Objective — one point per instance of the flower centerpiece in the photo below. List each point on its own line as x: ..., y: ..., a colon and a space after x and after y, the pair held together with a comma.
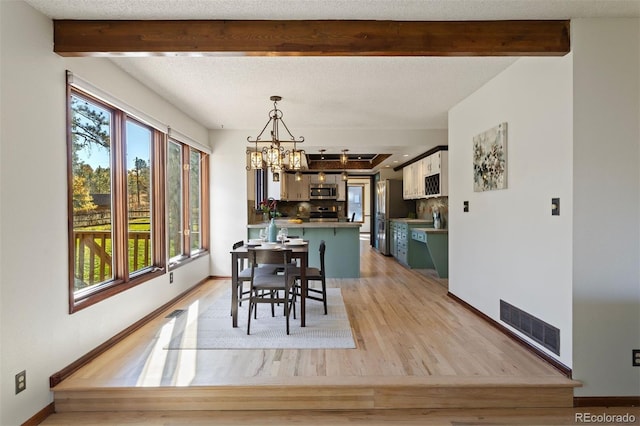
x: 269, y: 208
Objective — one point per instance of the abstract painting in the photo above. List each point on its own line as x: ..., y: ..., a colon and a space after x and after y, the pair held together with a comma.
x: 490, y: 159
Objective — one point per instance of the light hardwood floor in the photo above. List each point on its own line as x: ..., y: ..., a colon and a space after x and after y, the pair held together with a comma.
x: 414, y: 344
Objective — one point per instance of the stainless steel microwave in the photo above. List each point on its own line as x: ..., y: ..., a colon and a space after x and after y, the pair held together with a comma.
x: 323, y: 191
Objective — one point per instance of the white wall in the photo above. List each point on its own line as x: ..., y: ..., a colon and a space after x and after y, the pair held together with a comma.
x: 229, y: 196
x: 37, y: 332
x: 606, y: 228
x: 508, y: 246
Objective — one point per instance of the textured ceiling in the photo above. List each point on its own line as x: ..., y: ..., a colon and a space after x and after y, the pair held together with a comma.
x: 323, y: 92
x: 421, y: 10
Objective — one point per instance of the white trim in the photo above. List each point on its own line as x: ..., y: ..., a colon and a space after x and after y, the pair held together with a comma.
x: 82, y: 84
x: 181, y: 137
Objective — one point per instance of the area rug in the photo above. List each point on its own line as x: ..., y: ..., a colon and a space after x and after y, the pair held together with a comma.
x: 212, y: 328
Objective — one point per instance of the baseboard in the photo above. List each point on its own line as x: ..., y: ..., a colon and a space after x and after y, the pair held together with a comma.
x: 59, y: 376
x: 606, y: 401
x: 525, y: 344
x: 41, y: 415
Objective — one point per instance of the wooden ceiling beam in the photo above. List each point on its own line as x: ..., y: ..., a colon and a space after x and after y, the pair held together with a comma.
x: 311, y: 38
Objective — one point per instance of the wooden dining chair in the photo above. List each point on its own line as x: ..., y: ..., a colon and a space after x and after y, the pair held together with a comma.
x: 266, y: 288
x: 314, y: 274
x: 244, y: 274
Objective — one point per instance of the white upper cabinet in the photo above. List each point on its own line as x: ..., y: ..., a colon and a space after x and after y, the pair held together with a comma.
x: 406, y: 182
x: 427, y: 177
x: 437, y: 180
x: 412, y: 181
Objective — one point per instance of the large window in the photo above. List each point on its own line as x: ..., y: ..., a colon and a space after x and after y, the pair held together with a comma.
x: 195, y: 200
x: 186, y: 168
x: 92, y: 128
x: 129, y: 186
x: 175, y: 198
x: 139, y: 140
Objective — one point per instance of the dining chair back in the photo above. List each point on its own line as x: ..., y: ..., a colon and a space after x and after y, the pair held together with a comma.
x: 263, y: 285
x: 244, y: 273
x: 315, y: 274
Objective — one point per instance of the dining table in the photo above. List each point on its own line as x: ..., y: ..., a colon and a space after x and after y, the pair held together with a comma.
x: 299, y: 252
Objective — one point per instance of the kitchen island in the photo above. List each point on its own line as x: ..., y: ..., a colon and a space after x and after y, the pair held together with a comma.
x: 342, y: 257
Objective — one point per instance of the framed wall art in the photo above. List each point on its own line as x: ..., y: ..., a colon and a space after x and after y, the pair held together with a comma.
x: 490, y: 159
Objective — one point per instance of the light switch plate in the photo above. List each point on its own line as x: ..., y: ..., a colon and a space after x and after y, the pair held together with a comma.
x: 555, y: 206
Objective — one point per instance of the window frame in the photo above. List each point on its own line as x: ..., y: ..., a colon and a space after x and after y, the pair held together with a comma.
x: 188, y: 254
x: 362, y: 202
x: 123, y: 279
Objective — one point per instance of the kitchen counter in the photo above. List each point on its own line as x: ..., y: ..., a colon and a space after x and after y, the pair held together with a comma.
x: 290, y: 225
x: 432, y: 230
x: 342, y: 257
x: 437, y: 242
x: 412, y: 221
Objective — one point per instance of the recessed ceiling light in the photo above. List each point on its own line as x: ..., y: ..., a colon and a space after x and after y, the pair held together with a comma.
x: 395, y: 161
x: 405, y: 155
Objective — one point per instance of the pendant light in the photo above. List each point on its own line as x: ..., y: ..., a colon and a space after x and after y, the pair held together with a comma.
x: 321, y: 176
x: 344, y: 160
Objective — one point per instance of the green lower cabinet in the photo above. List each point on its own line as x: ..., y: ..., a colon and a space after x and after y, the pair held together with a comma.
x: 437, y: 245
x: 409, y: 252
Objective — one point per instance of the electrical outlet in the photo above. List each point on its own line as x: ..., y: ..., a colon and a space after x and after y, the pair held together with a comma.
x: 170, y: 277
x: 465, y: 206
x: 636, y: 357
x: 21, y: 381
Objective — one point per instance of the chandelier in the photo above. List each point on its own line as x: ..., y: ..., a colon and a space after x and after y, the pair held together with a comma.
x: 272, y: 154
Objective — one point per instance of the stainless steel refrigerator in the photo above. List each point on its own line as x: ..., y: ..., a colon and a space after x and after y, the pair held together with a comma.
x: 389, y: 205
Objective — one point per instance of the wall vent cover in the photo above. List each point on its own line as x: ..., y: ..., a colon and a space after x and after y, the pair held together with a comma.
x: 176, y: 313
x: 540, y: 331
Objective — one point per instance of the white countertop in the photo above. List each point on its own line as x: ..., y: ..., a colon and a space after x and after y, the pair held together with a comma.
x: 406, y: 220
x: 432, y: 230
x: 287, y: 224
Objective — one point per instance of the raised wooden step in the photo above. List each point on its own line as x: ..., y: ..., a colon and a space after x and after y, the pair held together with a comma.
x: 342, y: 393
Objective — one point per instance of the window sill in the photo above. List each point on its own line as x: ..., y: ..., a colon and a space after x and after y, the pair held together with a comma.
x: 112, y: 289
x: 186, y: 260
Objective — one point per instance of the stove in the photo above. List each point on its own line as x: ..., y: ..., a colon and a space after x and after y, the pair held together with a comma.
x: 323, y: 214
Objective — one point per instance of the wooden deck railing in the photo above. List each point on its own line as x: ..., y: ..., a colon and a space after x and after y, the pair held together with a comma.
x: 93, y: 261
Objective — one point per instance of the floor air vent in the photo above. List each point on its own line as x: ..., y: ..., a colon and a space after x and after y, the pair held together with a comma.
x: 175, y: 313
x: 543, y: 333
